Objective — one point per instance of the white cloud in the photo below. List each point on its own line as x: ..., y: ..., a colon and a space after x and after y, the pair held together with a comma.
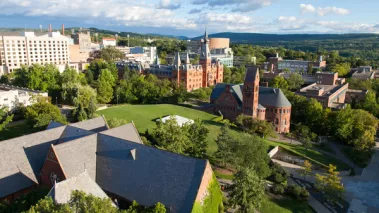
x: 167, y: 4
x: 230, y: 22
x: 322, y: 11
x: 335, y: 10
x: 237, y: 5
x: 307, y: 8
x: 112, y: 12
x: 290, y: 23
x: 344, y: 27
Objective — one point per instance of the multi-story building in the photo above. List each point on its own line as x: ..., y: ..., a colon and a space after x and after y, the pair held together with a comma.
x: 363, y: 73
x: 194, y: 46
x: 244, y: 60
x: 139, y: 54
x: 109, y: 42
x: 251, y: 99
x: 114, y: 160
x: 12, y: 96
x: 329, y: 90
x: 279, y: 64
x: 224, y: 55
x: 83, y: 39
x: 29, y: 48
x: 207, y: 73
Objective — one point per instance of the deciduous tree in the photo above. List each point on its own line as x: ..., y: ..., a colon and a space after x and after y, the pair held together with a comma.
x: 330, y: 184
x: 105, y: 85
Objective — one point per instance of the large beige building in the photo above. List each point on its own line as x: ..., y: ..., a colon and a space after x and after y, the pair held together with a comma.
x: 27, y: 48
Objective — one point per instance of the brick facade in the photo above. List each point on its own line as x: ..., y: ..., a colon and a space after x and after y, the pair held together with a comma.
x: 52, y: 169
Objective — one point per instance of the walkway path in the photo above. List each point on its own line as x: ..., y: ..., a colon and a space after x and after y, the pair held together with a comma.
x: 363, y: 190
x: 343, y: 158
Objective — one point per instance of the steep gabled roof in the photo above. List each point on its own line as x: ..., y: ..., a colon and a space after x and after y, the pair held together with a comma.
x: 149, y: 175
x: 127, y: 132
x: 72, y: 133
x: 78, y: 155
x: 22, y: 158
x: 267, y: 96
x: 251, y: 74
x: 61, y: 191
x: 97, y: 124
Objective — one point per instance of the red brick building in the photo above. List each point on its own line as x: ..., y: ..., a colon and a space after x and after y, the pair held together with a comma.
x: 263, y: 103
x: 205, y: 74
x: 112, y: 161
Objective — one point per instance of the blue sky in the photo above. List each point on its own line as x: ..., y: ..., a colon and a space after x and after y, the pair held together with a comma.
x: 190, y: 17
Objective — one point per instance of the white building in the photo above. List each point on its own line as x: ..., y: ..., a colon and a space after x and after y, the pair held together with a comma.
x: 109, y: 42
x: 139, y: 54
x: 11, y: 96
x: 27, y: 48
x: 224, y: 55
x: 179, y: 120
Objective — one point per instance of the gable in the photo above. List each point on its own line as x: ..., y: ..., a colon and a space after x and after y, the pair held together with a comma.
x: 52, y: 170
x: 152, y: 176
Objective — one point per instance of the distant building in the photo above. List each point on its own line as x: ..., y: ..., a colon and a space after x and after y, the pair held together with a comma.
x: 244, y: 60
x: 105, y: 162
x: 139, y: 54
x: 329, y: 90
x: 27, y: 48
x: 354, y: 96
x: 109, y: 42
x: 12, y: 96
x: 224, y: 55
x: 207, y: 73
x: 194, y: 46
x: 279, y: 64
x: 83, y: 39
x: 263, y: 103
x: 363, y: 73
x: 81, y: 49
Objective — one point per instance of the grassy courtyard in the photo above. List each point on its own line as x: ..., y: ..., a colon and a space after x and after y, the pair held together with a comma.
x: 144, y: 117
x: 16, y: 130
x: 284, y: 205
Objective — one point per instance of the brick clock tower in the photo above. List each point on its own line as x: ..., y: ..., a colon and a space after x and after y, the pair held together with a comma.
x: 250, y: 92
x: 205, y: 60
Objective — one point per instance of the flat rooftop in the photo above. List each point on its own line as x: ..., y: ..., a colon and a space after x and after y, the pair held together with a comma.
x: 328, y: 89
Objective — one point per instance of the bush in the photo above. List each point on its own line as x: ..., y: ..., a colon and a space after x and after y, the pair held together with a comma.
x: 278, y: 174
x: 297, y: 192
x: 116, y: 122
x: 277, y: 189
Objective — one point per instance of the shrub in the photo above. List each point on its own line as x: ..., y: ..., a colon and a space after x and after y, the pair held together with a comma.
x: 297, y: 192
x: 116, y: 122
x: 277, y: 189
x: 278, y: 174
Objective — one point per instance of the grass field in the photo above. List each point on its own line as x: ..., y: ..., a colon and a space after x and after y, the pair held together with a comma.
x: 313, y: 155
x: 144, y: 117
x: 284, y: 205
x: 16, y: 130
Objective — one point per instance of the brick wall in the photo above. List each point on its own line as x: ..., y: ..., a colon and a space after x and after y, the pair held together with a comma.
x: 280, y: 117
x: 50, y: 166
x: 203, y: 189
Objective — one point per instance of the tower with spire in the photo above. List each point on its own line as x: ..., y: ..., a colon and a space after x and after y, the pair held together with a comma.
x: 205, y: 59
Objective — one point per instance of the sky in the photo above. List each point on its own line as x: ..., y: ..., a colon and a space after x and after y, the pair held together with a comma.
x: 191, y: 17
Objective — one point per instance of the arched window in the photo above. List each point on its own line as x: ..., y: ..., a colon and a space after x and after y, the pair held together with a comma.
x: 276, y: 121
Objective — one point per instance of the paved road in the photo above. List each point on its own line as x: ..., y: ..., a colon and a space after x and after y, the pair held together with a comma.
x: 363, y: 190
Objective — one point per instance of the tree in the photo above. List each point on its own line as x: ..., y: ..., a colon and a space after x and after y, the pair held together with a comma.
x: 170, y: 136
x: 330, y: 184
x: 247, y: 191
x: 69, y: 76
x: 91, y: 109
x: 111, y: 54
x: 255, y: 126
x: 116, y: 122
x: 307, y: 169
x: 105, y: 85
x: 37, y: 77
x: 198, y: 133
x: 295, y: 81
x: 41, y: 113
x: 81, y: 202
x: 279, y: 82
x: 224, y: 143
x: 5, y: 119
x: 278, y: 175
x: 79, y: 113
x: 75, y: 94
x: 370, y: 104
x: 341, y: 69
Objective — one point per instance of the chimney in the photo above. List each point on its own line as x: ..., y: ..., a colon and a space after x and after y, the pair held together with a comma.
x: 277, y: 55
x: 133, y: 153
x: 62, y: 29
x: 50, y: 29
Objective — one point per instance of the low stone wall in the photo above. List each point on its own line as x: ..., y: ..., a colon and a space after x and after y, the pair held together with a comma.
x: 273, y: 151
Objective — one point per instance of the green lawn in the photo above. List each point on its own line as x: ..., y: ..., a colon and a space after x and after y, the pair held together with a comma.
x: 16, y: 130
x: 144, y: 117
x: 284, y: 205
x: 313, y: 155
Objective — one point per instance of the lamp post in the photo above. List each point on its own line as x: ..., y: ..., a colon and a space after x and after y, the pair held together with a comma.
x: 128, y: 40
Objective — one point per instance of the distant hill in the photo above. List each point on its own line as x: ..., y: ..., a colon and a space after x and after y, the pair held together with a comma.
x: 258, y: 38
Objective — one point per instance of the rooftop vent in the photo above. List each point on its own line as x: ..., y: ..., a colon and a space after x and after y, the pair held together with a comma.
x: 133, y: 153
